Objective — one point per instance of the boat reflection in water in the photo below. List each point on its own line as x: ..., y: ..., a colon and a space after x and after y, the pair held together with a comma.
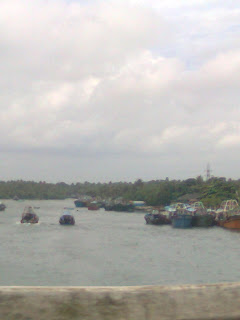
x: 29, y: 216
x: 67, y: 219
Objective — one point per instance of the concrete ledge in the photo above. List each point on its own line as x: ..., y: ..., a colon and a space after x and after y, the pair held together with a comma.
x: 220, y: 301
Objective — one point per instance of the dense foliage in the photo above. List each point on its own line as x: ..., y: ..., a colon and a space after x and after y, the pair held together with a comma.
x: 155, y: 192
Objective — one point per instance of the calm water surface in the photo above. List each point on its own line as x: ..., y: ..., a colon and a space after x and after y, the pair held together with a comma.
x: 110, y: 249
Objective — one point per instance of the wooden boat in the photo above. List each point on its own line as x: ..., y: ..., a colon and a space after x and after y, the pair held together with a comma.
x: 67, y: 219
x: 93, y: 207
x: 157, y: 219
x: 228, y: 214
x: 29, y: 216
x: 232, y: 222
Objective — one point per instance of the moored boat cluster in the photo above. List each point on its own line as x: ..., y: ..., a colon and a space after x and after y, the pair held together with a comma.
x: 179, y: 215
x: 118, y: 205
x: 182, y: 215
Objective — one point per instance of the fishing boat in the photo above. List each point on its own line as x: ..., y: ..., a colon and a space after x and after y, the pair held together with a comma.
x: 232, y: 222
x: 93, y: 207
x: 67, y: 219
x: 80, y: 204
x: 29, y: 216
x: 156, y: 218
x: 182, y: 217
x: 201, y: 218
x: 2, y: 206
x: 228, y: 215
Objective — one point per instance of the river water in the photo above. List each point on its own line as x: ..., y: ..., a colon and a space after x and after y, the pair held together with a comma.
x: 110, y: 249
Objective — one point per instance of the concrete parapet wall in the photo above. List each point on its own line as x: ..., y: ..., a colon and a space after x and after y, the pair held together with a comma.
x: 221, y: 301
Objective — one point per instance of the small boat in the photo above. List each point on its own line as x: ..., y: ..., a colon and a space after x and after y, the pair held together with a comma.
x: 2, y: 206
x: 67, y: 219
x: 93, y: 207
x: 156, y: 218
x: 29, y: 216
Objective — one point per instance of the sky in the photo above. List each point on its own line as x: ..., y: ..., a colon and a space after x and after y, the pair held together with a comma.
x: 119, y: 90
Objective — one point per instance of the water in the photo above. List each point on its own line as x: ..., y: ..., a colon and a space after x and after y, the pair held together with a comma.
x: 110, y: 249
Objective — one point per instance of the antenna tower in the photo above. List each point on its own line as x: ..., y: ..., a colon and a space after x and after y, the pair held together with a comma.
x: 208, y: 172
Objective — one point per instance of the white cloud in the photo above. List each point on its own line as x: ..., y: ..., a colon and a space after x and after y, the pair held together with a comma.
x: 124, y: 79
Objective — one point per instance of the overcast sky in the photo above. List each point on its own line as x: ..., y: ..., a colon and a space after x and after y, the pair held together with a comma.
x: 119, y: 90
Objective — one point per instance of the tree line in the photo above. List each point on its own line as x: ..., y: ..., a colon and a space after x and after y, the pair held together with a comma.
x: 155, y: 192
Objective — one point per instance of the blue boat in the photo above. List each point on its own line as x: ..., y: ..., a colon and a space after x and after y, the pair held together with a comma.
x: 80, y: 204
x: 182, y: 221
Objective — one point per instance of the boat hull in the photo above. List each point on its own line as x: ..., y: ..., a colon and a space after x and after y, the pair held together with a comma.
x: 203, y: 221
x: 182, y: 221
x: 67, y: 220
x: 157, y: 219
x: 79, y: 204
x: 231, y: 223
x: 27, y: 219
x: 93, y: 208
